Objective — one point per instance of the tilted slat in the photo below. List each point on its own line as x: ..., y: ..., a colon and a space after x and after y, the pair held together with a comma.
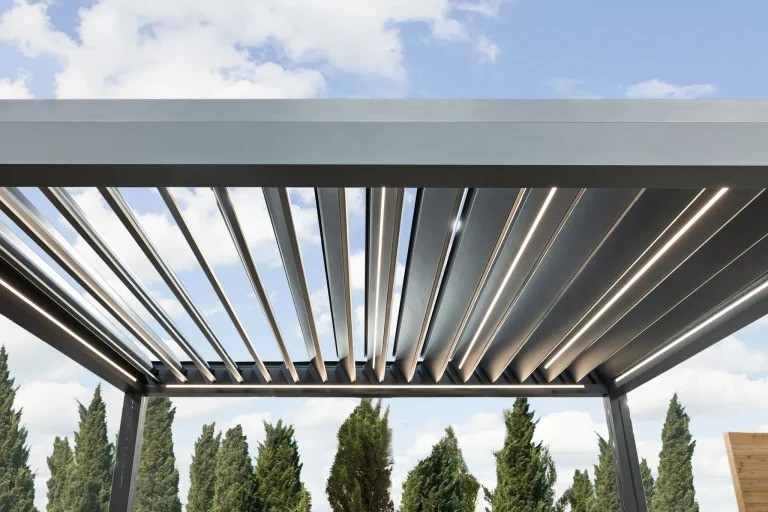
x: 540, y: 221
x: 488, y: 216
x: 213, y: 279
x: 125, y: 214
x: 710, y: 214
x: 716, y: 254
x: 650, y: 215
x: 332, y: 218
x: 69, y: 209
x: 229, y: 215
x: 384, y: 213
x: 34, y: 223
x: 279, y: 207
x: 434, y: 220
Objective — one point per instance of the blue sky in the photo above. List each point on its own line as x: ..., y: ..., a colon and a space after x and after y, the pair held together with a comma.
x: 378, y: 48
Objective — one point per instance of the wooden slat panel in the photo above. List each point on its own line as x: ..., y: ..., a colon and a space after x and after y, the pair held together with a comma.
x: 748, y: 458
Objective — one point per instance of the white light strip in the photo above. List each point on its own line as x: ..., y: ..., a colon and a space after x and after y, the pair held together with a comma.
x: 693, y: 331
x: 382, y: 387
x: 519, y: 255
x: 656, y: 257
x: 378, y: 273
x: 66, y: 329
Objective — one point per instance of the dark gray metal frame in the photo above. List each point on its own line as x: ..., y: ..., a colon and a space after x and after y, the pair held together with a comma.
x: 441, y: 147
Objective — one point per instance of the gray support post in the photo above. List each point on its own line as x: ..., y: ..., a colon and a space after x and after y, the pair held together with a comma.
x: 128, y: 453
x: 622, y: 439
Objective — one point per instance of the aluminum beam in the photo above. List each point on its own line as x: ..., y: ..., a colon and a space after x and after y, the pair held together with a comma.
x: 128, y: 453
x: 332, y: 218
x: 213, y: 279
x: 228, y: 213
x: 396, y: 143
x: 622, y: 439
x: 435, y: 220
x: 382, y: 234
x: 279, y: 208
x: 32, y: 221
x: 69, y: 209
x: 120, y: 207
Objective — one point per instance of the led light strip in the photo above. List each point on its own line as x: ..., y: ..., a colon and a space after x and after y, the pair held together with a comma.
x: 507, y: 277
x: 66, y: 329
x: 656, y: 257
x: 693, y: 331
x: 378, y: 273
x: 353, y: 387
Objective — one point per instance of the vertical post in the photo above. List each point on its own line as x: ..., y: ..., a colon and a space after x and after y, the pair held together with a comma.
x: 622, y: 439
x: 128, y: 453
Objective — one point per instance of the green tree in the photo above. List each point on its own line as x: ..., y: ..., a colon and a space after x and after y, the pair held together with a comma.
x: 525, y: 472
x: 89, y: 484
x: 60, y: 465
x: 202, y: 471
x: 278, y: 472
x: 674, y: 491
x: 17, y: 483
x: 157, y: 484
x: 606, y: 497
x: 645, y: 474
x: 579, y: 495
x: 233, y: 472
x: 441, y: 482
x: 361, y: 473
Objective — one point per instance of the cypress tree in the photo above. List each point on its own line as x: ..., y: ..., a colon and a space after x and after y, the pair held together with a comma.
x: 17, y: 483
x: 89, y: 484
x: 674, y: 490
x: 202, y: 471
x: 278, y: 472
x: 525, y: 472
x: 579, y: 495
x: 60, y: 465
x: 157, y: 484
x: 441, y: 481
x: 606, y: 497
x: 645, y: 474
x: 362, y: 468
x: 233, y: 472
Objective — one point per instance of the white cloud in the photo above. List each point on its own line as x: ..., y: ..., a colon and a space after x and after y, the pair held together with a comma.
x: 488, y: 50
x: 14, y: 89
x: 184, y: 49
x: 659, y: 89
x: 572, y: 88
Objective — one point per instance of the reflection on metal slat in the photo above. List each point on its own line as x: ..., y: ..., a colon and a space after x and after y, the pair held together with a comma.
x: 689, y: 234
x: 69, y: 209
x: 118, y: 204
x: 385, y: 210
x: 434, y: 222
x: 487, y: 218
x: 650, y: 215
x: 749, y: 266
x: 594, y: 215
x: 538, y: 224
x: 34, y: 223
x: 279, y: 208
x: 173, y: 207
x: 38, y: 272
x: 332, y: 218
x: 229, y: 215
x: 718, y: 253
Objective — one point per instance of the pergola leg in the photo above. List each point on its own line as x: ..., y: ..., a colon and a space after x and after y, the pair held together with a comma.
x: 622, y: 439
x: 128, y: 453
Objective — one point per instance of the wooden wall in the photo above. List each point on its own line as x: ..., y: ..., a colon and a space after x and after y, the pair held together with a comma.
x: 748, y: 458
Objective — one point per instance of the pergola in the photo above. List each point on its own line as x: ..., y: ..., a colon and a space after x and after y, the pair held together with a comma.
x: 558, y: 248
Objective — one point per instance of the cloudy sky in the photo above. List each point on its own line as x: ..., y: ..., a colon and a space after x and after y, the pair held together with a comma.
x: 377, y: 48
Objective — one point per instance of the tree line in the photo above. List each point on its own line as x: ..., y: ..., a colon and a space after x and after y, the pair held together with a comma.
x: 224, y: 477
